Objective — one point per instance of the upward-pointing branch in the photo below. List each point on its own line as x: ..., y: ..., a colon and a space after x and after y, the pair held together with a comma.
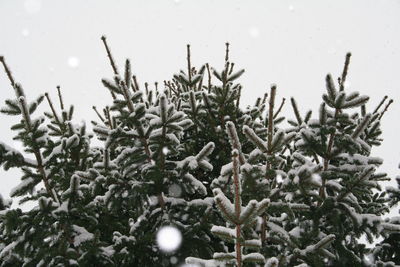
x: 7, y: 70
x: 112, y: 62
x: 227, y: 52
x: 60, y: 98
x: 270, y: 125
x: 53, y: 110
x: 26, y: 116
x: 189, y: 64
x: 269, y: 149
x: 332, y: 135
x: 344, y: 73
x: 114, y: 67
x: 238, y: 205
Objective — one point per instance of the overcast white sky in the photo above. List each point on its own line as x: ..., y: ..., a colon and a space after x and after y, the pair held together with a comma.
x: 291, y: 43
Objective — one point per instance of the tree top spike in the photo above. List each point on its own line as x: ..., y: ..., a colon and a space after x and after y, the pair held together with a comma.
x: 227, y: 52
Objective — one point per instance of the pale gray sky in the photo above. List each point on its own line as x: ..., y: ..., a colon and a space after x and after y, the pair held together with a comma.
x: 291, y: 43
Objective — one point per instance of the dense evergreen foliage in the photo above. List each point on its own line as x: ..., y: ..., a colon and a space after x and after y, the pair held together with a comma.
x: 242, y: 189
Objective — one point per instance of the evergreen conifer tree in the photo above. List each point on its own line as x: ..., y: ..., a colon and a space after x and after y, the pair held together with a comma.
x: 241, y: 189
x: 387, y: 252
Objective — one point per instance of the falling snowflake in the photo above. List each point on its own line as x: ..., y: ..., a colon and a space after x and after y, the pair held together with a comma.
x: 25, y: 32
x: 169, y: 238
x: 254, y: 32
x: 73, y: 62
x: 165, y: 150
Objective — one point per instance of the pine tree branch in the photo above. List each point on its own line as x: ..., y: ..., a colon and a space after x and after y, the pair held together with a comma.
x: 322, y: 193
x: 238, y: 97
x: 296, y: 111
x: 280, y: 108
x: 209, y: 77
x: 345, y: 70
x: 8, y: 71
x: 36, y: 152
x: 53, y: 110
x: 98, y: 114
x: 211, y: 115
x: 270, y: 127
x: 238, y: 205
x: 163, y: 110
x: 189, y: 63
x: 26, y: 116
x: 326, y: 159
x: 234, y: 140
x: 231, y: 69
x: 386, y: 108
x: 365, y: 175
x: 135, y: 83
x: 60, y: 97
x: 114, y: 67
x: 226, y: 52
x: 380, y: 104
x: 127, y: 96
x: 108, y: 115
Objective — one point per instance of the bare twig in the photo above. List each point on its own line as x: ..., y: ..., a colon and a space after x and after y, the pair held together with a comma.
x: 60, y: 97
x: 98, y: 114
x: 380, y: 104
x: 189, y: 63
x: 386, y: 108
x: 7, y: 70
x: 280, y: 108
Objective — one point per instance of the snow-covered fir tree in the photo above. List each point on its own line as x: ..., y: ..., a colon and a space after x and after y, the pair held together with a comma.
x: 241, y: 189
x: 387, y: 252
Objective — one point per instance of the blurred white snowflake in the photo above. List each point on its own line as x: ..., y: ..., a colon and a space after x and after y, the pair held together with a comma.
x: 169, y: 238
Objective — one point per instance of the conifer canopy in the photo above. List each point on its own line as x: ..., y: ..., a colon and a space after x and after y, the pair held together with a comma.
x: 230, y: 185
